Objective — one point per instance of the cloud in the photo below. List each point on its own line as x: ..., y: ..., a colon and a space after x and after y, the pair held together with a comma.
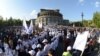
x: 97, y: 4
x: 34, y: 13
x: 81, y: 1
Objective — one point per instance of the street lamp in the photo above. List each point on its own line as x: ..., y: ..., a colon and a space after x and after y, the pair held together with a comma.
x: 82, y: 17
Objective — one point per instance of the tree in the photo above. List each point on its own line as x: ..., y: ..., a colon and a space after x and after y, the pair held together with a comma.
x: 78, y: 24
x: 1, y: 21
x: 88, y: 23
x: 10, y: 22
x: 85, y: 23
x: 17, y: 22
x: 96, y: 19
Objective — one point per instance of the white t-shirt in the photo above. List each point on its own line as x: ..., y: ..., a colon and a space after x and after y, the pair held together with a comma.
x: 35, y: 40
x: 9, y: 52
x: 46, y: 49
x: 25, y: 43
x: 54, y: 44
x: 39, y: 53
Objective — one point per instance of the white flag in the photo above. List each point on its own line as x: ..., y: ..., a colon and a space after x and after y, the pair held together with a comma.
x: 31, y: 27
x: 81, y: 41
x: 40, y: 25
x: 25, y: 27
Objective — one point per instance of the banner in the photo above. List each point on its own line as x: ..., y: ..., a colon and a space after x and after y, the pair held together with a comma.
x: 81, y: 41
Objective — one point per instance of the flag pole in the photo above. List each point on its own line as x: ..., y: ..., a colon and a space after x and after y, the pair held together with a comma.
x: 82, y: 53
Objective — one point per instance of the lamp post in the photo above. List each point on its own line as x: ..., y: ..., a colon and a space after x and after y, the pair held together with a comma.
x: 82, y: 17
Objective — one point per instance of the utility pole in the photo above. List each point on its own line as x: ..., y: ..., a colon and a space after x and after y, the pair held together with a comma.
x: 82, y: 17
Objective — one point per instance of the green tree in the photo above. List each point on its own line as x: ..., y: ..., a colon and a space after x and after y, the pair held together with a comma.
x: 88, y: 23
x: 1, y: 21
x: 17, y: 22
x: 85, y: 23
x: 96, y: 19
x: 77, y: 24
x: 10, y: 22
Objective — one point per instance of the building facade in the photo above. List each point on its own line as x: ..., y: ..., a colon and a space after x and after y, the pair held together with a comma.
x: 49, y: 17
x: 65, y: 22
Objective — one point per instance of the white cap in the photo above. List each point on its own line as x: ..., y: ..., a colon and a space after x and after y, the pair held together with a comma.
x: 17, y: 47
x: 39, y: 46
x: 33, y: 46
x: 19, y: 40
x: 45, y: 40
x: 68, y: 48
x: 31, y: 52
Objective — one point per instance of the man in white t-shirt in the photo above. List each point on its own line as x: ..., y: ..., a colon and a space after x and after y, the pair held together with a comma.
x: 39, y: 53
x: 46, y: 47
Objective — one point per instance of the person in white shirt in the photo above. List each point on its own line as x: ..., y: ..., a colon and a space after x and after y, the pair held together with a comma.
x: 46, y: 47
x: 1, y: 52
x: 54, y: 44
x: 8, y: 50
x: 32, y: 52
x: 25, y: 43
x: 35, y: 40
x: 39, y: 53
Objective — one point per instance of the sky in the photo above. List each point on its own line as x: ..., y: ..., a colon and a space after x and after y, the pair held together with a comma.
x: 28, y: 9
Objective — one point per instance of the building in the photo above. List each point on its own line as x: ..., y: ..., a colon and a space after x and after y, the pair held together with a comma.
x: 65, y: 22
x: 49, y: 17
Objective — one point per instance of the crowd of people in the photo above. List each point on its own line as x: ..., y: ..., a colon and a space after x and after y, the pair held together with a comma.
x: 47, y: 42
